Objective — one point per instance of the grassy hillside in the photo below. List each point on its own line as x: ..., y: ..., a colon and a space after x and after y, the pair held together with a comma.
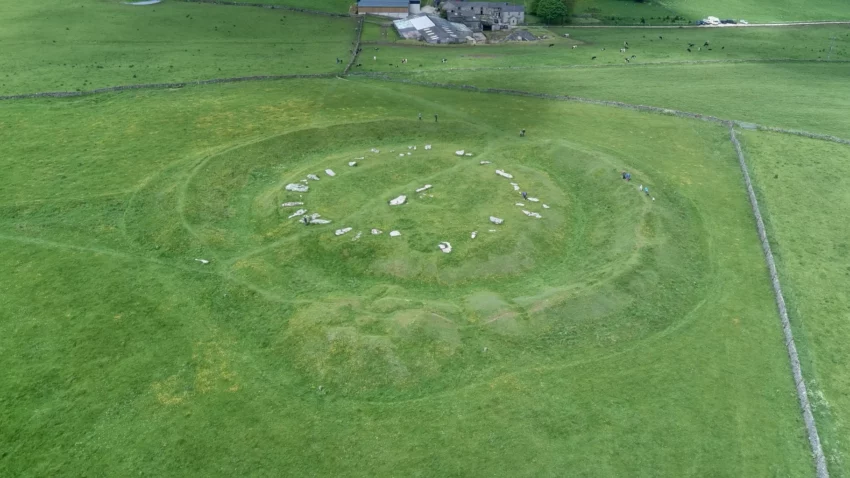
x: 83, y: 44
x: 632, y: 330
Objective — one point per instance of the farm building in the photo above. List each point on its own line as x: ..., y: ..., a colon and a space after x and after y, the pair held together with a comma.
x: 388, y: 8
x: 432, y: 29
x: 484, y: 15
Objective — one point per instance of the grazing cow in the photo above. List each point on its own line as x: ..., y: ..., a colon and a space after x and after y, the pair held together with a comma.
x: 705, y: 44
x: 691, y: 45
x: 622, y: 50
x: 551, y: 44
x: 660, y: 37
x: 689, y: 50
x: 575, y: 46
x: 633, y: 57
x: 625, y: 43
x: 627, y: 60
x: 593, y: 58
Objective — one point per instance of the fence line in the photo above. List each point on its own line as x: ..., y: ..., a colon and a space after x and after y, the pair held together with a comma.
x: 273, y: 7
x: 617, y: 65
x: 356, y: 46
x: 145, y: 86
x: 805, y: 134
x: 799, y: 381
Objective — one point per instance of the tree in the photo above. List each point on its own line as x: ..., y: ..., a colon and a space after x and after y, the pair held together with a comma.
x: 552, y: 10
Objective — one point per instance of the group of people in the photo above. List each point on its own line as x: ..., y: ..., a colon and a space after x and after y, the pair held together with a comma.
x: 627, y: 176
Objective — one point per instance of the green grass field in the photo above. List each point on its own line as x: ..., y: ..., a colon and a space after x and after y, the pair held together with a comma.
x: 656, y: 12
x: 810, y: 242
x: 662, y: 12
x: 589, y: 319
x: 333, y: 6
x: 86, y: 44
x: 647, y: 46
x: 808, y: 97
x: 760, y: 11
x: 620, y: 334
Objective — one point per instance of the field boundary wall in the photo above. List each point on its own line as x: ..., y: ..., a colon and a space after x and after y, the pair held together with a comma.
x: 145, y: 86
x: 354, y: 52
x: 796, y: 370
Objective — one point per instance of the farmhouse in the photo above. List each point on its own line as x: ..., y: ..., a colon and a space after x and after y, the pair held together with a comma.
x: 484, y: 15
x: 388, y: 8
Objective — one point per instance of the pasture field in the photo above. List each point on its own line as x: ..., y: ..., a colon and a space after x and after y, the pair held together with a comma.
x: 620, y: 334
x: 808, y: 96
x: 333, y: 6
x: 655, y: 12
x: 804, y: 200
x: 86, y: 44
x: 646, y: 45
x: 639, y: 332
x: 773, y: 11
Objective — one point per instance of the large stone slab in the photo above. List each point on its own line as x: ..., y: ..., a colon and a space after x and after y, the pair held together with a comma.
x: 298, y: 188
x: 297, y: 213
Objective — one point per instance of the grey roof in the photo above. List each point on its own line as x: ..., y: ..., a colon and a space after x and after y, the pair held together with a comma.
x: 383, y: 3
x: 431, y: 29
x: 504, y: 6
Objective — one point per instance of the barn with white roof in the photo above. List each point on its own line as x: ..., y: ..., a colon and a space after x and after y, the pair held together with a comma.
x: 432, y: 29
